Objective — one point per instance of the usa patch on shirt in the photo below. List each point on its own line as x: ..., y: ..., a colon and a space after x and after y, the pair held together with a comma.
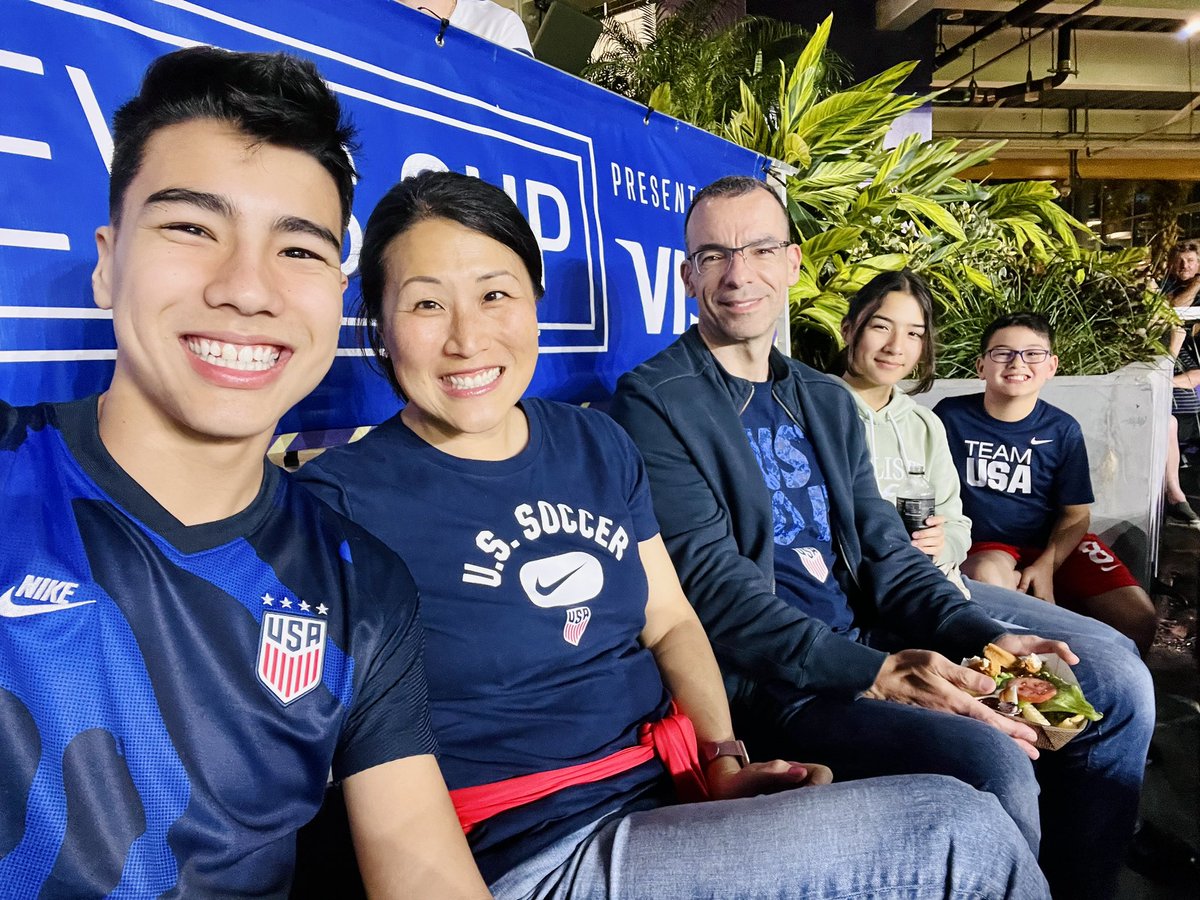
x: 577, y: 621
x: 813, y: 562
x: 291, y: 655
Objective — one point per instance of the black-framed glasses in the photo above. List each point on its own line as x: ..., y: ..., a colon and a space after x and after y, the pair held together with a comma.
x: 758, y: 254
x: 1030, y: 356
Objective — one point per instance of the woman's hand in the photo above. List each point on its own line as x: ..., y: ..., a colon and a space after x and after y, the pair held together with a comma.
x: 931, y: 539
x: 726, y: 781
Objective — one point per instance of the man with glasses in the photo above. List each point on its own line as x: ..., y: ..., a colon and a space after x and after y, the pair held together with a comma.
x: 1024, y: 472
x: 810, y: 588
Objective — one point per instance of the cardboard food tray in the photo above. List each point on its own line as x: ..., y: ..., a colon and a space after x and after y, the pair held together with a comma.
x: 1051, y: 737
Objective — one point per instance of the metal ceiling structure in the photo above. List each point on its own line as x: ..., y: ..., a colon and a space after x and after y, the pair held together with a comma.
x: 1104, y: 89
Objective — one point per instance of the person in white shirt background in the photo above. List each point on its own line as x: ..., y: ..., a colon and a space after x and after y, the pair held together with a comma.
x: 483, y: 18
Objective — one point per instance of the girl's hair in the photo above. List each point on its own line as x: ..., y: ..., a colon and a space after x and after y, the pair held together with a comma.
x: 462, y: 199
x: 866, y: 303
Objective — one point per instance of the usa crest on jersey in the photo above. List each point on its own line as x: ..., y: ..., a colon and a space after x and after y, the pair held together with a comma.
x: 291, y: 654
x: 577, y: 621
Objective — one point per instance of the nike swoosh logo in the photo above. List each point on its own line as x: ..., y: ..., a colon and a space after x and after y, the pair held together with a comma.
x: 547, y: 589
x: 566, y: 579
x: 1108, y: 568
x: 1035, y: 441
x: 10, y: 610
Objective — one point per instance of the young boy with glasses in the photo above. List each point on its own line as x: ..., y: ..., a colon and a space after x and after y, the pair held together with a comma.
x: 1026, y: 486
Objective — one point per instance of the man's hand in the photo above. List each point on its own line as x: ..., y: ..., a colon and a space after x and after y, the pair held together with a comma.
x: 1037, y: 579
x: 726, y: 781
x: 927, y: 679
x: 1025, y: 644
x: 931, y: 539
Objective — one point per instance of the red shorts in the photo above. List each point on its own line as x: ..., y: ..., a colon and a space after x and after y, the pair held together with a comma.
x: 1091, y: 569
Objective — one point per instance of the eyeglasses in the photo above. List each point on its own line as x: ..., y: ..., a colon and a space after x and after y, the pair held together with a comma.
x: 757, y: 254
x: 1031, y: 356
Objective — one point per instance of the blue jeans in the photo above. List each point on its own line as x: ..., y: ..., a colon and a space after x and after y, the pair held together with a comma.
x: 1089, y: 789
x: 890, y: 839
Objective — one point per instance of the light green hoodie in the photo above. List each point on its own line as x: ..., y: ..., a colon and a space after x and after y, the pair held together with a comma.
x: 903, y: 434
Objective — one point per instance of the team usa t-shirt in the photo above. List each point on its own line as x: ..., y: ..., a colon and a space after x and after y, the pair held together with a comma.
x: 172, y: 698
x: 1016, y: 476
x: 804, y: 557
x: 533, y: 597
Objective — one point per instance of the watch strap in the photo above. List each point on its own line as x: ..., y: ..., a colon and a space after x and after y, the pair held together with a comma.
x: 711, y: 750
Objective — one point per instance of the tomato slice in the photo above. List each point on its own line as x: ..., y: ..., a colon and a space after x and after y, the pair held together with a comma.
x: 1033, y: 690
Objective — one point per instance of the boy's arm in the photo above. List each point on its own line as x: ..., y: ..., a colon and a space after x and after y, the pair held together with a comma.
x: 1069, y: 528
x: 406, y: 835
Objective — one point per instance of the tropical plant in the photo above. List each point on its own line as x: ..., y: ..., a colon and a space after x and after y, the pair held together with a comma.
x: 1166, y: 202
x: 1089, y: 300
x: 859, y: 207
x: 697, y: 60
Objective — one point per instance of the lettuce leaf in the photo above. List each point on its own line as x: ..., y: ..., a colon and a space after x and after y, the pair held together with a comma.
x: 1069, y: 700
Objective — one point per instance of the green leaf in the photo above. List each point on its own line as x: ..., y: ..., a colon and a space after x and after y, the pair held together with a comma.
x: 660, y: 99
x: 795, y: 150
x: 853, y: 277
x: 928, y: 209
x: 805, y: 287
x: 978, y: 279
x: 835, y: 240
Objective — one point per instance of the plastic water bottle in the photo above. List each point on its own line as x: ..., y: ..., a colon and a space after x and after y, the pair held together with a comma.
x: 915, y: 500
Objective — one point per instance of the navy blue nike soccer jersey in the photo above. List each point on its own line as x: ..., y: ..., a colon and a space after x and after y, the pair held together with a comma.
x: 1016, y: 476
x: 533, y: 597
x: 173, y: 698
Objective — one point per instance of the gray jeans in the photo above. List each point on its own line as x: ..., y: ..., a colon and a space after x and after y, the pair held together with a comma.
x: 903, y: 838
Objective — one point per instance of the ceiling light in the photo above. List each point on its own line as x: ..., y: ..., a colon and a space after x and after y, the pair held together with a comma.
x: 1119, y: 236
x: 953, y: 15
x: 1092, y: 223
x: 1191, y: 29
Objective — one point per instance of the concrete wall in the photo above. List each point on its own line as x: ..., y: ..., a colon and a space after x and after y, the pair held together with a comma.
x: 1124, y: 421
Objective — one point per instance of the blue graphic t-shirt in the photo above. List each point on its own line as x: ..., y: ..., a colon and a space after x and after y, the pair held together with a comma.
x: 172, y: 697
x: 1016, y: 476
x: 804, y: 557
x: 533, y: 597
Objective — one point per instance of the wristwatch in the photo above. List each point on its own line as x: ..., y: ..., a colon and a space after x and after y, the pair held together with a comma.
x: 711, y: 750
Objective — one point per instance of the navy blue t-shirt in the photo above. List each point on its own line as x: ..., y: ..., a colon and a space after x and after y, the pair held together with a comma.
x: 533, y: 597
x: 1016, y: 476
x: 172, y: 698
x: 804, y: 557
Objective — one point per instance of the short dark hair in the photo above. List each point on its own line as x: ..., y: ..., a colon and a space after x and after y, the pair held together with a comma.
x: 1035, y: 322
x: 728, y: 187
x: 273, y: 98
x: 1185, y: 247
x: 866, y: 303
x: 463, y: 199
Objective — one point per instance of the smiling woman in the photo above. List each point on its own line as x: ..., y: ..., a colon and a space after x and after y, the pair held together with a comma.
x: 568, y: 674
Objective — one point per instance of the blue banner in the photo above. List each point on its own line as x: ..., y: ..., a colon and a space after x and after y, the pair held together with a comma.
x: 604, y: 186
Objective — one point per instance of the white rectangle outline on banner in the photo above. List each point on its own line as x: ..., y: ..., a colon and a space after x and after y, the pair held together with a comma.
x: 111, y: 19
x: 79, y: 312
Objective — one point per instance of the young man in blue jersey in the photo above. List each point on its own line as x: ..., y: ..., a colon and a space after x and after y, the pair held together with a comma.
x: 1026, y: 487
x: 189, y: 645
x: 845, y: 648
